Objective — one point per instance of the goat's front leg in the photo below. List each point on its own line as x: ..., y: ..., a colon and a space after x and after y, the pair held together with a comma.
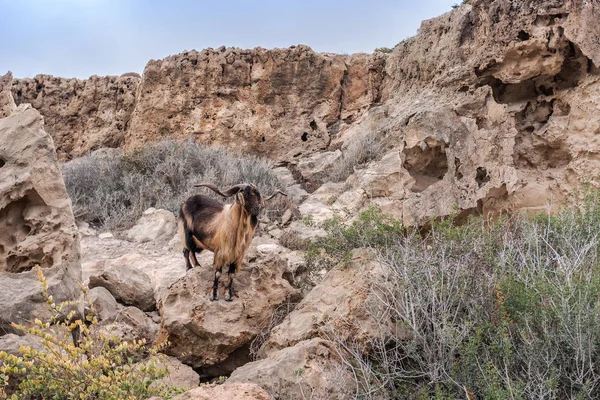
x: 230, y: 275
x: 215, y: 295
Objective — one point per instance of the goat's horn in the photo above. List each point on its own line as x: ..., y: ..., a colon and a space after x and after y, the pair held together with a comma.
x: 274, y: 194
x: 228, y: 193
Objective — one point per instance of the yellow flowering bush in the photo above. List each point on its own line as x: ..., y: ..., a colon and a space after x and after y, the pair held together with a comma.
x: 79, y: 362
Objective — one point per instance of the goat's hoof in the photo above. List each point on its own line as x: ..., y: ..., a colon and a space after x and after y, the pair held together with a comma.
x: 228, y: 297
x: 213, y: 297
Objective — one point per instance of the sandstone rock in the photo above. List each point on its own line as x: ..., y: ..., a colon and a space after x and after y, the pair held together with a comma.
x: 36, y: 221
x: 213, y: 336
x: 309, y: 369
x: 180, y: 375
x: 128, y: 284
x: 81, y: 115
x: 154, y: 225
x: 7, y: 103
x: 103, y: 303
x: 238, y: 391
x: 85, y: 229
x: 130, y: 323
x: 11, y: 343
x: 339, y: 302
x: 315, y: 210
x: 316, y: 166
x: 106, y: 235
x: 286, y: 217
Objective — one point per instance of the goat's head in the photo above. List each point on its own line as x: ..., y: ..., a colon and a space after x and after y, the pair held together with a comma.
x: 246, y: 195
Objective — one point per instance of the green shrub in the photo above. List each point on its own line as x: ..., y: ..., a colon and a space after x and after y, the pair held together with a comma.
x: 503, y: 310
x: 96, y: 367
x: 383, y: 50
x: 112, y: 189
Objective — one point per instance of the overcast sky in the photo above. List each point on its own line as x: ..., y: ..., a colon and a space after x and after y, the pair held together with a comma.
x: 79, y: 38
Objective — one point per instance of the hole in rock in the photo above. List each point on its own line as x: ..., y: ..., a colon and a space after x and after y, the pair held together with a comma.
x: 313, y: 125
x: 482, y: 177
x: 523, y: 35
x: 427, y: 166
x: 304, y: 137
x: 2, y: 163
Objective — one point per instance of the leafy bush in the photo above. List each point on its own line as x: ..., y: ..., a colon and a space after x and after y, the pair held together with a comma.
x: 95, y: 367
x: 383, y: 50
x: 112, y: 189
x: 372, y: 229
x: 504, y: 310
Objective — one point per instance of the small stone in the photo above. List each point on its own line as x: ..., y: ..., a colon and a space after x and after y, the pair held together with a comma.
x: 106, y: 235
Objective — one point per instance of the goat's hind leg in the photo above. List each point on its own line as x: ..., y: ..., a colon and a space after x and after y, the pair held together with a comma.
x: 186, y: 255
x: 215, y: 295
x: 229, y: 287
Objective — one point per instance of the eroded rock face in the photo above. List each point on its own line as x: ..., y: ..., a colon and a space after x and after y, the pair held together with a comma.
x: 261, y: 101
x: 36, y: 221
x: 214, y: 336
x: 81, y: 115
x: 490, y: 108
x: 7, y: 103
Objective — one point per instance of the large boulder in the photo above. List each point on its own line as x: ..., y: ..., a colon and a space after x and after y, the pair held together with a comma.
x: 36, y: 221
x: 338, y: 303
x: 128, y: 284
x: 238, y: 391
x: 154, y: 225
x: 214, y: 336
x: 310, y: 369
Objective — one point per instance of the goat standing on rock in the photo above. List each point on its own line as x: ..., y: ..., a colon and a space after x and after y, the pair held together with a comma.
x: 226, y: 230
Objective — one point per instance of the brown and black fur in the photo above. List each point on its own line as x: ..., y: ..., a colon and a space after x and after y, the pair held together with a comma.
x: 226, y: 230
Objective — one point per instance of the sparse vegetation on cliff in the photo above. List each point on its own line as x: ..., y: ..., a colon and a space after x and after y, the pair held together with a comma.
x: 112, y: 189
x: 495, y: 310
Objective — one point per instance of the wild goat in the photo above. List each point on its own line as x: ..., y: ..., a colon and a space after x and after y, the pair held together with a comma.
x: 226, y: 230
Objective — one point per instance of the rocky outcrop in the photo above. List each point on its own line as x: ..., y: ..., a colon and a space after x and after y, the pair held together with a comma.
x: 258, y: 101
x: 7, y: 103
x: 36, y: 221
x: 214, y: 336
x: 81, y: 115
x: 310, y: 369
x: 489, y: 108
x: 239, y: 391
x: 338, y: 303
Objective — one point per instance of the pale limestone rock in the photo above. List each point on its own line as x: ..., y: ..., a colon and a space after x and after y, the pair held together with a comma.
x: 179, y: 375
x: 103, y: 303
x: 338, y: 302
x: 7, y: 103
x: 36, y: 222
x: 128, y: 284
x: 154, y: 225
x: 238, y: 391
x: 311, y: 368
x: 213, y: 335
